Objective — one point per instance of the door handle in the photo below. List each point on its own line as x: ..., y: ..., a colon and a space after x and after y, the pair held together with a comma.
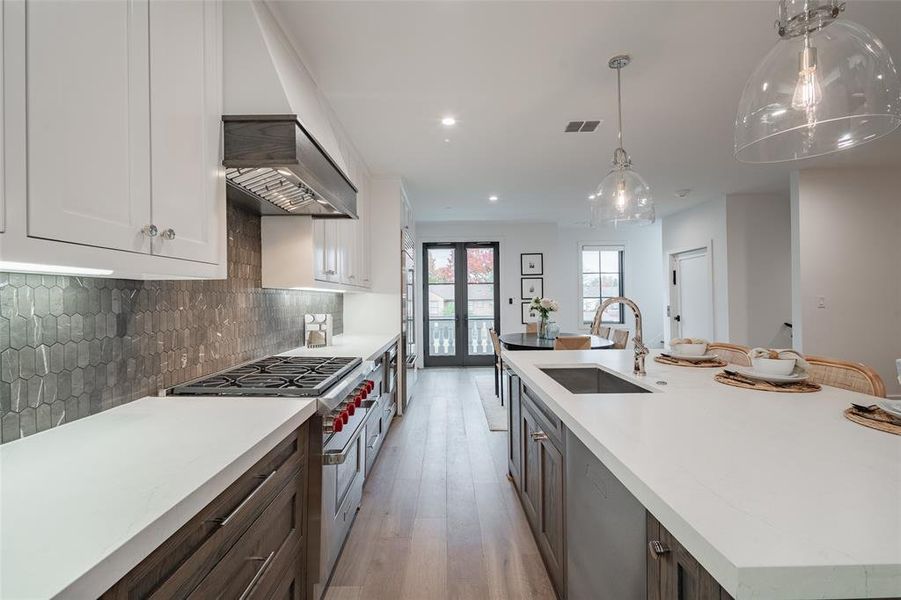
x: 678, y: 318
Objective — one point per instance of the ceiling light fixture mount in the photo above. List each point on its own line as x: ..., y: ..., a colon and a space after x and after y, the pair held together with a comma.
x: 492, y: 198
x: 448, y: 121
x: 829, y: 84
x: 623, y: 197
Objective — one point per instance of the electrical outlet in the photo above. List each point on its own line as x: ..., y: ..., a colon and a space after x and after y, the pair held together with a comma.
x: 821, y: 301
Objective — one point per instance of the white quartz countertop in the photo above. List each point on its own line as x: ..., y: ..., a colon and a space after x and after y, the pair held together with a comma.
x: 362, y: 345
x: 777, y: 495
x: 82, y: 504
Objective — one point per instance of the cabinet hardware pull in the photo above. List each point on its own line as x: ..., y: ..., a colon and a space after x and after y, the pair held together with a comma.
x: 539, y: 436
x: 258, y: 575
x: 657, y: 548
x: 150, y: 230
x: 375, y: 440
x: 265, y: 479
x: 169, y: 234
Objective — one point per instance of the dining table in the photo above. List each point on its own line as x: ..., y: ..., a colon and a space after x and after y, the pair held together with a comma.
x: 531, y: 341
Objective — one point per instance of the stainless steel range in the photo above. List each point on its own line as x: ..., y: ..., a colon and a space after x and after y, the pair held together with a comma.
x: 347, y: 391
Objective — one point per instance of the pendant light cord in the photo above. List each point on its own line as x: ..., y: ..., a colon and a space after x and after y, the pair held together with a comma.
x: 619, y: 104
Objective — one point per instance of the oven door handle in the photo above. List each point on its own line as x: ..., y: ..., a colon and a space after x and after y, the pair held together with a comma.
x: 337, y: 457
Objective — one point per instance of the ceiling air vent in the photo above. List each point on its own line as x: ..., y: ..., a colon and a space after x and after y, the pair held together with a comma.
x: 581, y: 126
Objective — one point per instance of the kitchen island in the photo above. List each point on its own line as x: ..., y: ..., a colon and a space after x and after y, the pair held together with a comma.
x: 777, y: 496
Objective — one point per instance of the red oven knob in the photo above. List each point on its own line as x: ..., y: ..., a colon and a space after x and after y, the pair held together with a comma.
x: 363, y: 393
x: 334, y: 425
x: 370, y: 385
x: 350, y: 408
x: 358, y: 400
x: 345, y: 416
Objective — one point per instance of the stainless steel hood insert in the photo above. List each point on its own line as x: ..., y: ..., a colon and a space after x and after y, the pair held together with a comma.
x: 273, y: 164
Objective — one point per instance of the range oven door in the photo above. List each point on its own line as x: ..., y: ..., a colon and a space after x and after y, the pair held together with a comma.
x: 343, y: 461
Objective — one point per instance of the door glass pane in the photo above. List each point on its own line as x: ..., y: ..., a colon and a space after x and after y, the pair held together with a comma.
x: 441, y: 300
x: 480, y: 265
x: 479, y: 300
x: 479, y: 338
x: 441, y: 265
x: 441, y: 340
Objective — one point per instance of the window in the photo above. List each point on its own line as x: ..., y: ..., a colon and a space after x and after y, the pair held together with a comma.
x: 601, y: 273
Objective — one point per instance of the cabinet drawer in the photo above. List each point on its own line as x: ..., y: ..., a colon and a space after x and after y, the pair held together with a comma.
x: 252, y: 564
x: 175, y: 568
x: 545, y: 419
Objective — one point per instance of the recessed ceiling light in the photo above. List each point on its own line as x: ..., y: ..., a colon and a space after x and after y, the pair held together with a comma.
x: 448, y: 121
x: 492, y: 198
x: 447, y: 140
x: 591, y: 197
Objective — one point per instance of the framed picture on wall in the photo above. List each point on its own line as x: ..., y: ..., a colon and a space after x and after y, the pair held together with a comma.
x: 528, y: 315
x: 531, y: 287
x: 532, y: 264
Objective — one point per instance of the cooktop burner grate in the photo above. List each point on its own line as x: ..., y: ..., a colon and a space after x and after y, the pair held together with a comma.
x: 274, y: 376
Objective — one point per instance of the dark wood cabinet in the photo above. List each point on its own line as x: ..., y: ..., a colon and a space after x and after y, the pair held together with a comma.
x: 673, y: 573
x: 250, y: 541
x: 542, y: 490
x: 514, y: 428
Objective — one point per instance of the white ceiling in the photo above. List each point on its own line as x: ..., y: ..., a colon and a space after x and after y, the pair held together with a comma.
x: 514, y: 73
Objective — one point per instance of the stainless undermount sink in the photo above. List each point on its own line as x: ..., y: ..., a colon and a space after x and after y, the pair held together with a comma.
x: 591, y: 380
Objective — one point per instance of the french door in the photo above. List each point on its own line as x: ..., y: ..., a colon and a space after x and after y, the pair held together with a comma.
x: 461, y: 298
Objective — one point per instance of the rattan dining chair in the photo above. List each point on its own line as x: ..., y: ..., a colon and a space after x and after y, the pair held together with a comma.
x: 498, y: 366
x: 572, y: 342
x: 734, y: 354
x: 856, y: 377
x: 531, y: 327
x: 620, y: 339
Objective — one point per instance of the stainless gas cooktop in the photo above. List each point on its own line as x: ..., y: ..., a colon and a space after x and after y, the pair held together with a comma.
x: 302, y: 376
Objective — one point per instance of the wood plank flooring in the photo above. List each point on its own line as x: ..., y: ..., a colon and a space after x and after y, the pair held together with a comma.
x: 439, y: 518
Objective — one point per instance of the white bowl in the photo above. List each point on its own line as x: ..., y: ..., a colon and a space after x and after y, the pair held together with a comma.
x: 690, y: 349
x: 774, y: 366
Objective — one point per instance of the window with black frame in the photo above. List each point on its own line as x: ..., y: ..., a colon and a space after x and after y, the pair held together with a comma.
x: 601, y: 277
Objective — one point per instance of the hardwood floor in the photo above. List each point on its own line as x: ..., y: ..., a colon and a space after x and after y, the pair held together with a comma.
x: 439, y: 518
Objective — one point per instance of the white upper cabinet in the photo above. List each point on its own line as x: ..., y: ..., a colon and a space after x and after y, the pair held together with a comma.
x: 115, y: 110
x: 186, y: 109
x: 88, y: 122
x: 2, y: 137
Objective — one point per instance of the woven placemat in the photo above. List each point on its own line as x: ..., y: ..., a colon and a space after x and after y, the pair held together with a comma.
x: 799, y: 387
x: 877, y: 419
x: 703, y: 364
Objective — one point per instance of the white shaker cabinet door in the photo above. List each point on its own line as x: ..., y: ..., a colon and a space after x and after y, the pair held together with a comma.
x: 88, y: 147
x: 188, y: 191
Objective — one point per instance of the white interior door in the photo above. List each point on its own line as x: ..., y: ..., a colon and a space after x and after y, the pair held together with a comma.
x: 691, y: 308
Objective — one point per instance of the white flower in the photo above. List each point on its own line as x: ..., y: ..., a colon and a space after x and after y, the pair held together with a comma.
x: 549, y: 305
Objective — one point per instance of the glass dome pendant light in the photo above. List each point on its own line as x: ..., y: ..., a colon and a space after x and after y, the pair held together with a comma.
x: 827, y: 85
x: 623, y: 197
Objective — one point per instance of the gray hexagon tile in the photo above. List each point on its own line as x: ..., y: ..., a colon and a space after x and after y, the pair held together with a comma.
x: 73, y: 346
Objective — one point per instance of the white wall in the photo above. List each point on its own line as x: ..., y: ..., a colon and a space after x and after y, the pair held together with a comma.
x: 643, y: 279
x: 846, y: 228
x: 695, y: 228
x: 643, y: 271
x: 759, y: 269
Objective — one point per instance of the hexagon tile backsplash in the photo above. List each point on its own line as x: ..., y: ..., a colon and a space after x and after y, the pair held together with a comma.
x: 74, y: 346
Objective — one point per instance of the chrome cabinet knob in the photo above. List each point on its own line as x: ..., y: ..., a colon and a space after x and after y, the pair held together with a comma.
x: 657, y: 548
x: 150, y: 230
x: 169, y: 234
x: 539, y: 436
